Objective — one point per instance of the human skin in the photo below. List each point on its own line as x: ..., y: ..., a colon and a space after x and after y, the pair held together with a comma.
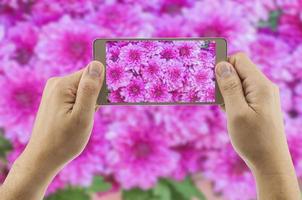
x: 65, y: 118
x: 62, y: 128
x: 255, y: 126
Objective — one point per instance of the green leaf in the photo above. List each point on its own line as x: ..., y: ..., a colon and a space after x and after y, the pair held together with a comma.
x: 5, y: 145
x: 162, y: 191
x: 99, y: 185
x: 272, y: 21
x: 187, y: 189
x: 138, y: 194
x: 166, y: 190
x: 69, y: 194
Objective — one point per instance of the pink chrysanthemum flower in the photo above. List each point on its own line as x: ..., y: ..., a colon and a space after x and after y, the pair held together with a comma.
x: 134, y: 92
x: 151, y: 48
x: 174, y: 74
x: 142, y: 153
x: 190, y: 96
x: 157, y: 92
x: 292, y: 7
x: 256, y: 10
x: 187, y: 49
x: 65, y: 46
x: 168, y: 51
x: 44, y: 12
x: 122, y: 19
x: 201, y: 77
x: 182, y: 123
x: 132, y: 56
x: 117, y: 76
x: 206, y: 58
x: 267, y: 46
x: 149, y: 44
x: 207, y: 19
x: 115, y: 96
x: 112, y: 53
x: 152, y: 70
x: 21, y: 90
x: 294, y: 64
x: 207, y: 94
x: 159, y: 7
x: 20, y: 43
x: 191, y: 160
x: 290, y: 29
x: 170, y: 26
x: 175, y: 6
x: 230, y: 174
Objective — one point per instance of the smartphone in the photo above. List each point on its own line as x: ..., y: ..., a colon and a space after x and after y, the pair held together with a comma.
x: 160, y: 70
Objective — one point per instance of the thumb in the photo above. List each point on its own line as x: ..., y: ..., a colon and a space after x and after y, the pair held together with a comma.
x: 88, y: 90
x: 230, y: 86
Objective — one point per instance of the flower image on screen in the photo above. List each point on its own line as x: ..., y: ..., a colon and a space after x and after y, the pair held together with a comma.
x: 160, y: 71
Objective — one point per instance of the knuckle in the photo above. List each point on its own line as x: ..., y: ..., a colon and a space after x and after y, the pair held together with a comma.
x: 230, y: 86
x: 60, y: 85
x: 52, y: 80
x: 267, y: 88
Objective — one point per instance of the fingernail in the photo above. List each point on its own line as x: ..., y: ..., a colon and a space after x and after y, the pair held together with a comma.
x: 224, y: 70
x: 94, y: 69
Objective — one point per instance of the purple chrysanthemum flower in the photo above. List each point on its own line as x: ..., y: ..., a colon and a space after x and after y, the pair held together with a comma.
x: 132, y: 56
x: 290, y: 29
x: 171, y: 26
x: 190, y: 96
x: 117, y: 76
x: 207, y: 94
x: 292, y: 7
x: 230, y: 174
x: 21, y: 90
x: 115, y: 96
x: 174, y: 74
x: 122, y: 19
x: 20, y: 43
x: 168, y: 51
x: 64, y: 46
x: 191, y: 160
x: 187, y: 49
x: 112, y: 53
x: 141, y: 153
x: 207, y: 19
x: 152, y: 70
x: 157, y: 92
x: 268, y: 46
x: 201, y: 77
x: 134, y: 91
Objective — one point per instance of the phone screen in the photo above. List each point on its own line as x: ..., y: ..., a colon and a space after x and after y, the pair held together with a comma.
x: 160, y: 71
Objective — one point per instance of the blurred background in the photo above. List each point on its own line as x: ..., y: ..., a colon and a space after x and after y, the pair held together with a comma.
x: 145, y: 152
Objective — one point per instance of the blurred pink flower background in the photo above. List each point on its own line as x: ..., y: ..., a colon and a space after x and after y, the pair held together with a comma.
x: 136, y: 146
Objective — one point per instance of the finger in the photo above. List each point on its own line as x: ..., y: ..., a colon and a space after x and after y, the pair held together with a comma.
x: 230, y: 87
x: 244, y: 66
x: 88, y: 89
x: 75, y: 77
